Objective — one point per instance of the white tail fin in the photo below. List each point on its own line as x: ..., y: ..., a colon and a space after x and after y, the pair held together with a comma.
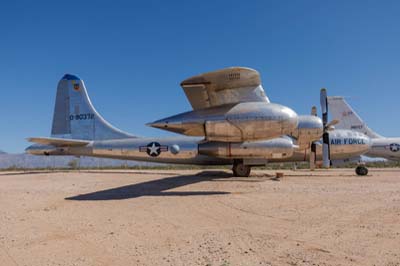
x: 75, y: 117
x: 348, y: 119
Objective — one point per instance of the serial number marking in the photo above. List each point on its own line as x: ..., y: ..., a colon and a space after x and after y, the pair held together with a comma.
x: 357, y: 127
x: 81, y: 117
x: 234, y: 76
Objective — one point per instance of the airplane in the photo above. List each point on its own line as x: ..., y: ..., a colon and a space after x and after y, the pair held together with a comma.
x: 382, y: 147
x: 232, y: 123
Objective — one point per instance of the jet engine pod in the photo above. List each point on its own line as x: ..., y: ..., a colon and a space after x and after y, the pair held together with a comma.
x: 248, y: 121
x: 278, y: 148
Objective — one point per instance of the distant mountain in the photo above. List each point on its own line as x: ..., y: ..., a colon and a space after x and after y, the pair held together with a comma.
x: 2, y: 152
x: 31, y: 161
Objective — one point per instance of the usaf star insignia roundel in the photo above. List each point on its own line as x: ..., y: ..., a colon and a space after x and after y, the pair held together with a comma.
x: 394, y: 147
x: 153, y: 149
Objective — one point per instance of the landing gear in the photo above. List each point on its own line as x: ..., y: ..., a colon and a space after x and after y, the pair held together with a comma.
x: 240, y: 169
x: 361, y: 170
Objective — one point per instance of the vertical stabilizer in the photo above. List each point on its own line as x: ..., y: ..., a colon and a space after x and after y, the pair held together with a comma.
x: 76, y: 118
x: 348, y: 118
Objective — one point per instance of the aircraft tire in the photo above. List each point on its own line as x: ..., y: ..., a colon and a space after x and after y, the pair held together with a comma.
x: 361, y: 170
x: 241, y: 170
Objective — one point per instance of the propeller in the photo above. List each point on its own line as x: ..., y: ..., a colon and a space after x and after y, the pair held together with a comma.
x: 327, y: 126
x: 313, y: 153
x: 326, y: 155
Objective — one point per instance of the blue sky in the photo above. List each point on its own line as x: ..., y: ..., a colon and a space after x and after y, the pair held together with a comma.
x: 133, y: 55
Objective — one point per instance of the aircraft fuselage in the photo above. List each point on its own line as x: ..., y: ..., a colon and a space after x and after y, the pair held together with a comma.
x: 193, y: 150
x: 388, y: 148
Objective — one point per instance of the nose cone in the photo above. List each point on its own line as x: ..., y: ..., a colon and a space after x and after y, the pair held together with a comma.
x: 162, y: 123
x: 183, y: 123
x: 169, y: 123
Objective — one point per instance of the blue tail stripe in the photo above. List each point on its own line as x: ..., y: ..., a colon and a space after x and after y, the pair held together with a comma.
x: 70, y: 77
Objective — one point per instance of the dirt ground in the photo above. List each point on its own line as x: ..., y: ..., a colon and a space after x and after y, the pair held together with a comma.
x: 200, y: 218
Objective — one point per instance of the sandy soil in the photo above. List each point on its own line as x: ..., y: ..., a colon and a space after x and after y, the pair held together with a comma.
x: 200, y: 218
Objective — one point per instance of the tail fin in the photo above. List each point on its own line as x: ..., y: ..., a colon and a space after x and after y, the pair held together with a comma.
x: 348, y: 119
x: 75, y: 117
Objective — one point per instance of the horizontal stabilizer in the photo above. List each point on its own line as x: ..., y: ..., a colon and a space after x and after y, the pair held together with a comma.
x: 60, y: 142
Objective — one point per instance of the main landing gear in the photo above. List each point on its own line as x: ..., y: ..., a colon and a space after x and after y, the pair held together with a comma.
x: 240, y: 169
x: 361, y: 170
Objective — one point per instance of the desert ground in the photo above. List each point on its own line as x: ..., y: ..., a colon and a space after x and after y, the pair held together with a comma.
x: 193, y: 217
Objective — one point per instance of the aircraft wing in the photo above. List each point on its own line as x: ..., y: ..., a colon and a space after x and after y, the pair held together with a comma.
x: 59, y: 142
x: 226, y: 86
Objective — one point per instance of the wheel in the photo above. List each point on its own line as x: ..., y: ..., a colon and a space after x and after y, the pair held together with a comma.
x: 361, y: 170
x: 241, y: 170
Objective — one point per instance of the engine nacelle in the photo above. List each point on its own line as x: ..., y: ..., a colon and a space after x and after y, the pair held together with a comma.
x: 309, y: 129
x: 278, y: 148
x: 248, y: 121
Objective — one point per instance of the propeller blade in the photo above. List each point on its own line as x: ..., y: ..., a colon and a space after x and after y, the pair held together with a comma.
x: 324, y: 106
x: 313, y: 156
x: 326, y: 158
x: 325, y: 136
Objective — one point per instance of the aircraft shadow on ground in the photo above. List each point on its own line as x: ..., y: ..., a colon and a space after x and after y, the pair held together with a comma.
x: 34, y: 172
x: 157, y: 187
